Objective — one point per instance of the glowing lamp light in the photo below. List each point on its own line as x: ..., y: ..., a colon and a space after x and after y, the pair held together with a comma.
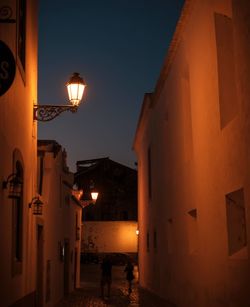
x: 75, y: 86
x: 137, y: 232
x: 94, y: 195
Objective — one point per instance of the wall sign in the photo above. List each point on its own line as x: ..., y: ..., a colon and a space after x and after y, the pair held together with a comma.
x: 7, y: 68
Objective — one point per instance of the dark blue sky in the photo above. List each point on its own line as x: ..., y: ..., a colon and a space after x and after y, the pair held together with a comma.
x: 118, y: 47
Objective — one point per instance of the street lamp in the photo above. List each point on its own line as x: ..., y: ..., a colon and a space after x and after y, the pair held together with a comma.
x: 75, y: 87
x: 37, y: 205
x: 15, y: 185
x: 94, y: 195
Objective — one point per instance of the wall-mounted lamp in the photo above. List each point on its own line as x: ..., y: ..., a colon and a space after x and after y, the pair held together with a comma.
x: 89, y: 198
x: 15, y: 185
x: 94, y: 195
x: 137, y: 232
x: 75, y: 87
x: 37, y: 205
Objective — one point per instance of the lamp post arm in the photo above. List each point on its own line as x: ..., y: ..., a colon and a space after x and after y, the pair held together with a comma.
x: 46, y: 113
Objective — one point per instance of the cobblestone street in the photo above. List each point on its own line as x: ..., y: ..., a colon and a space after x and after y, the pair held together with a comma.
x: 89, y: 293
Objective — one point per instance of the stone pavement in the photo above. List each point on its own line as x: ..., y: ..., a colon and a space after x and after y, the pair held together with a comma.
x: 89, y: 293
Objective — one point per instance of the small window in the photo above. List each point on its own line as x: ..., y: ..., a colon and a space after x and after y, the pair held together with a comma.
x: 226, y: 69
x: 236, y: 222
x: 17, y: 224
x: 149, y: 174
x: 21, y: 33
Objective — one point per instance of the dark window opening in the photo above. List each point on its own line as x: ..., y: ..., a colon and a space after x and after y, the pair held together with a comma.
x: 21, y: 38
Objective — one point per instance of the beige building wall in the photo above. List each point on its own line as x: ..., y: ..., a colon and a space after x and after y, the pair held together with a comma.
x: 18, y: 143
x: 192, y: 143
x: 61, y: 221
x: 109, y: 237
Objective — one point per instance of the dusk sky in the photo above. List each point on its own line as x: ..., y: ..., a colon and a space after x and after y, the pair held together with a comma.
x: 118, y: 47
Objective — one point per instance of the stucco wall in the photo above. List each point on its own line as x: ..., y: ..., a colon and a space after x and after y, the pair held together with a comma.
x: 18, y: 132
x: 198, y: 137
x: 60, y: 219
x: 109, y: 237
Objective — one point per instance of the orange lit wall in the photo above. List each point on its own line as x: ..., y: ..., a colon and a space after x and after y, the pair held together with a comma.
x: 196, y: 124
x: 19, y: 131
x: 109, y: 237
x: 61, y: 216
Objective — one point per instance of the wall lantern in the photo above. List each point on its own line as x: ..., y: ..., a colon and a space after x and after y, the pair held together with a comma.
x: 94, y: 195
x: 37, y: 206
x: 75, y: 87
x: 89, y: 198
x: 15, y: 185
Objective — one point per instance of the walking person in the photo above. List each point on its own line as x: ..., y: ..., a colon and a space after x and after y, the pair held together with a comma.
x: 106, y: 275
x: 129, y: 269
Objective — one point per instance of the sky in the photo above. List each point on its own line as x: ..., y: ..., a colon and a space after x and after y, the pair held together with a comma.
x: 118, y: 47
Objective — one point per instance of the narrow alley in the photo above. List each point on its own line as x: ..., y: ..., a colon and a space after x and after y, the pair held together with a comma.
x: 89, y: 293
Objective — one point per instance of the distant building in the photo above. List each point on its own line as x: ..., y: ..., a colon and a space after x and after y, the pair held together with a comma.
x: 110, y: 224
x: 193, y: 144
x: 60, y: 224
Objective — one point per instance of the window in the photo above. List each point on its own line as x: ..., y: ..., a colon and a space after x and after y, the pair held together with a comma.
x: 149, y: 174
x: 17, y: 224
x: 21, y: 33
x: 40, y: 162
x: 236, y: 222
x: 226, y: 68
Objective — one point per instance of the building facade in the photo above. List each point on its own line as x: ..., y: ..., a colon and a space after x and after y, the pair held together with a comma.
x: 192, y: 143
x: 59, y: 225
x: 18, y: 143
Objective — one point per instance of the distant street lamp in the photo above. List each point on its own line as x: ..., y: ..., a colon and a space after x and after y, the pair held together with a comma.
x: 75, y: 87
x: 84, y: 198
x: 94, y: 196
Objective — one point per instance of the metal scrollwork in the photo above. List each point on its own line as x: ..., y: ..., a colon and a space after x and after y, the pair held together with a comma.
x: 46, y: 113
x: 6, y: 14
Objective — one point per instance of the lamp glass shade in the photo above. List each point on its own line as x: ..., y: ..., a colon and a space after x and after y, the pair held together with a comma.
x: 15, y: 187
x: 75, y: 87
x: 94, y: 195
x: 37, y: 207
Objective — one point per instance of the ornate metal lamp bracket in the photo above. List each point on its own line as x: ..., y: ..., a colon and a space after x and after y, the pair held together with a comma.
x: 6, y: 14
x: 46, y: 113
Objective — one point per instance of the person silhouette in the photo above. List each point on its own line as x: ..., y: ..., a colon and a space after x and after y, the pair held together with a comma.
x: 106, y: 275
x: 129, y: 269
